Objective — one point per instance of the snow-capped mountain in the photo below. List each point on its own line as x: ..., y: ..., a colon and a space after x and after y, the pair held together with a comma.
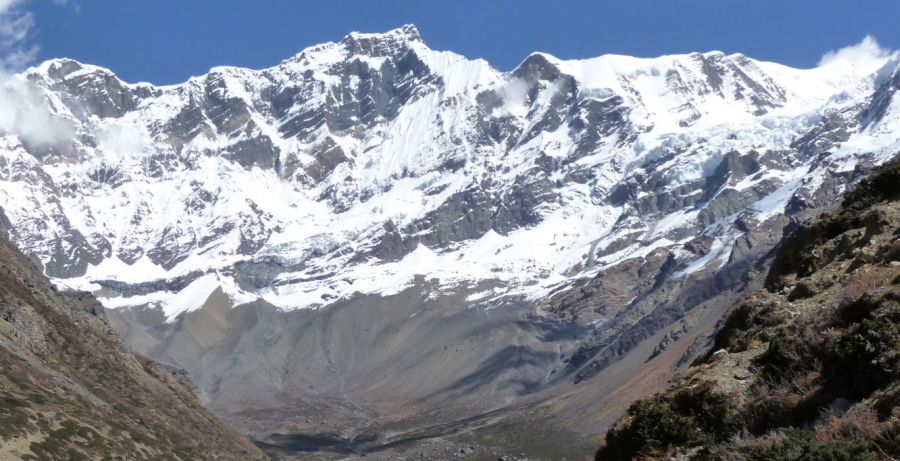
x: 354, y: 166
x: 406, y: 227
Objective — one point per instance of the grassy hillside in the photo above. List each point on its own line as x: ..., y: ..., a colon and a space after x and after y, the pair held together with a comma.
x: 69, y: 389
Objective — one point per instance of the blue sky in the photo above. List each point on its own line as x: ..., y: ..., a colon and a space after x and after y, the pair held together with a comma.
x: 166, y: 41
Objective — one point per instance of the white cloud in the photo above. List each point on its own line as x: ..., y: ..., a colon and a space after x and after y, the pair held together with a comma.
x: 6, y: 5
x: 867, y: 54
x: 16, y: 27
x: 75, y: 6
x: 24, y: 110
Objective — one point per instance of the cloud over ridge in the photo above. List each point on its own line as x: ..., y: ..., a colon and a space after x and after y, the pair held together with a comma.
x: 867, y: 54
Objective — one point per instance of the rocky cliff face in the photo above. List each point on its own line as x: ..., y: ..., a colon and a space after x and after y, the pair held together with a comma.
x: 378, y: 207
x: 69, y: 389
x: 809, y: 367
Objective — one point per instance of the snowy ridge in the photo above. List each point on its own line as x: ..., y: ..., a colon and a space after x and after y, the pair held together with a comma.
x: 355, y: 166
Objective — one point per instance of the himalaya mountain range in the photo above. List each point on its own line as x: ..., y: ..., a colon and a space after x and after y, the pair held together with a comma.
x: 378, y: 247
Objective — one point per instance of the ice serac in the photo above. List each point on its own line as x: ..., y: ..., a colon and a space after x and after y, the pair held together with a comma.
x: 610, y: 195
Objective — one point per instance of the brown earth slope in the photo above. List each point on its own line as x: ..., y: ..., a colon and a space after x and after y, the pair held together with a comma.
x: 807, y: 369
x: 70, y: 390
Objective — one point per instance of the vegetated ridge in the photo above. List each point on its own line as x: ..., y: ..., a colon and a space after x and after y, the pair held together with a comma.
x: 807, y: 369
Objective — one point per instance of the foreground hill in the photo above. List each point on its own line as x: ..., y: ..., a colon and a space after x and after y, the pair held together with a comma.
x: 70, y: 390
x: 807, y: 369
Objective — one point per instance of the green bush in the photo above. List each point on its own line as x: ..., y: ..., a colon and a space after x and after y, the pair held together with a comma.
x: 709, y: 411
x: 867, y: 357
x: 789, y: 354
x: 800, y: 445
x: 652, y: 426
x: 889, y: 442
x: 693, y: 416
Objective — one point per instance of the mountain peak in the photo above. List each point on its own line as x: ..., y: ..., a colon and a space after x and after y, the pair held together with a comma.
x: 537, y: 66
x: 63, y: 68
x: 406, y: 32
x: 382, y: 44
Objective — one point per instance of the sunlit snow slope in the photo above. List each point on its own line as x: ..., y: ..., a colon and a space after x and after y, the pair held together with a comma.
x: 355, y: 166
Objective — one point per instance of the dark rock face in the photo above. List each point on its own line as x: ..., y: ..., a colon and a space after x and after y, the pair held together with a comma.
x: 468, y: 215
x: 94, y: 92
x: 258, y: 152
x: 328, y: 155
x: 71, y: 255
x: 888, y: 86
x: 764, y: 94
x: 598, y: 119
x: 364, y: 94
x: 111, y: 288
x: 166, y: 252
